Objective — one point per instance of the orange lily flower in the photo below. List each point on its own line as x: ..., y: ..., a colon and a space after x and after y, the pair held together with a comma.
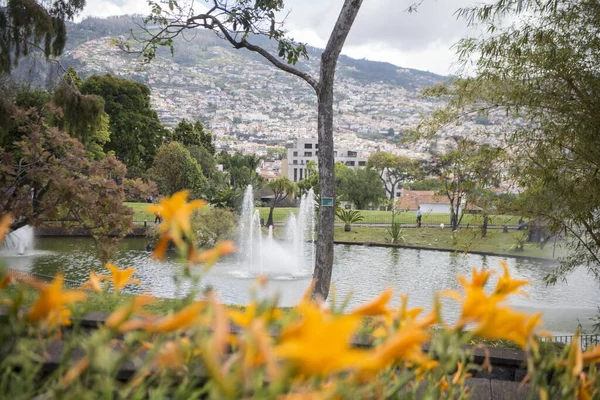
x: 50, y: 305
x: 211, y: 256
x: 506, y: 285
x: 176, y: 212
x: 376, y: 306
x: 182, y: 319
x: 5, y: 225
x: 95, y: 282
x: 121, y: 277
x: 118, y: 319
x: 320, y: 343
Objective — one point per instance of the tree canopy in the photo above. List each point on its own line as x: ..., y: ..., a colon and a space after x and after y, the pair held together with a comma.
x: 136, y: 131
x: 174, y: 170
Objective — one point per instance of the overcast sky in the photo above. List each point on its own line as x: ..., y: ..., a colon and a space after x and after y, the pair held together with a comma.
x: 383, y: 30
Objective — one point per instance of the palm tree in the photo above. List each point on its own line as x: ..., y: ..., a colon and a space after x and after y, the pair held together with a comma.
x: 348, y: 217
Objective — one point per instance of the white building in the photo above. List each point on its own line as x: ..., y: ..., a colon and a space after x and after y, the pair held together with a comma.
x: 306, y: 150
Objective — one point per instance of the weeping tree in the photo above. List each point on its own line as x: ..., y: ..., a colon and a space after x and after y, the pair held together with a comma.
x: 238, y: 22
x: 544, y: 71
x: 281, y: 188
x: 30, y: 24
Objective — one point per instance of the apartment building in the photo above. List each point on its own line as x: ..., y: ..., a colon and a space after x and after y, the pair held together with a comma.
x: 306, y: 150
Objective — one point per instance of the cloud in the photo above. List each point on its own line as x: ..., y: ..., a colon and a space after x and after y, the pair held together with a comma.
x: 383, y: 30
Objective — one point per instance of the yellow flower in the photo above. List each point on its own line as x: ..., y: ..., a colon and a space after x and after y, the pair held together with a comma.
x: 591, y: 355
x: 506, y: 285
x: 176, y: 212
x: 50, y: 306
x: 5, y: 225
x: 319, y: 343
x: 182, y: 319
x: 95, y: 282
x: 121, y: 277
x: 211, y: 256
x: 119, y: 318
x: 173, y: 354
x: 377, y: 306
x: 504, y: 323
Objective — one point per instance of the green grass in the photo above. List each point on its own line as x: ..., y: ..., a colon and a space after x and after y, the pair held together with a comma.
x: 385, y: 217
x: 282, y: 214
x: 465, y: 240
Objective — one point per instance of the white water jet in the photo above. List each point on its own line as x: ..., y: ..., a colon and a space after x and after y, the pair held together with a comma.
x: 18, y: 241
x: 268, y: 256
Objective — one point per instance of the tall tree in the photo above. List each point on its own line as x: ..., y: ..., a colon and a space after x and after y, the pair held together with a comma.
x: 174, y: 169
x: 237, y: 22
x: 360, y: 186
x: 544, y: 71
x: 281, y: 188
x: 393, y: 170
x: 455, y: 169
x: 30, y: 24
x: 136, y: 131
x: 193, y: 134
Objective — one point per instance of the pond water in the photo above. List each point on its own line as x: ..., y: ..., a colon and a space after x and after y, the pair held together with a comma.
x: 360, y: 271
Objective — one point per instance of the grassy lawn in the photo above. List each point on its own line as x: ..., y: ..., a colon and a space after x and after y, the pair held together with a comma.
x: 139, y: 212
x: 467, y: 240
x: 385, y: 217
x: 281, y: 215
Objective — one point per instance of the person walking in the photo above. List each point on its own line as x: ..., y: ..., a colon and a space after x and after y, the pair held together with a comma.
x: 419, y: 215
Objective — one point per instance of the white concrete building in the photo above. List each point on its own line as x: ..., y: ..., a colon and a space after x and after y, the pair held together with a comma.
x: 306, y: 150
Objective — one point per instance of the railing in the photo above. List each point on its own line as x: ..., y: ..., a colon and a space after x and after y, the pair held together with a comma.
x: 46, y: 278
x: 585, y: 341
x: 407, y: 219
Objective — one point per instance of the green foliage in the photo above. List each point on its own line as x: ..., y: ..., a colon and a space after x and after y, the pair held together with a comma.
x: 349, y: 216
x: 136, y: 190
x: 213, y: 225
x: 47, y: 176
x: 394, y: 170
x: 27, y: 25
x: 281, y: 188
x: 396, y: 232
x: 519, y: 242
x: 174, y: 170
x: 360, y: 186
x: 83, y: 116
x: 136, y: 132
x: 194, y: 134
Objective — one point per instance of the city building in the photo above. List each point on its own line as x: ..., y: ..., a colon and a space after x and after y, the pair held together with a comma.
x: 306, y: 150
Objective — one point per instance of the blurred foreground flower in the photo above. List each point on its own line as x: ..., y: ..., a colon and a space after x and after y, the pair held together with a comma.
x: 95, y: 282
x: 5, y: 225
x: 175, y: 212
x: 211, y: 256
x: 121, y: 277
x: 494, y: 320
x: 50, y: 306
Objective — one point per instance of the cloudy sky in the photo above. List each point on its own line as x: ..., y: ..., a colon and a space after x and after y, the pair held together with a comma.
x: 383, y: 30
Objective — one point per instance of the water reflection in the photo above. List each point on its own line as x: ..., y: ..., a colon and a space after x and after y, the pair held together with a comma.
x: 361, y: 270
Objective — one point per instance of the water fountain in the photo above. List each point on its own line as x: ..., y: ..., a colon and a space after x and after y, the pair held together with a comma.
x: 289, y: 258
x: 18, y: 241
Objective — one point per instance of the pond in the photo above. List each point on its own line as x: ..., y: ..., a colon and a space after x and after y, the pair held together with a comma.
x: 360, y: 271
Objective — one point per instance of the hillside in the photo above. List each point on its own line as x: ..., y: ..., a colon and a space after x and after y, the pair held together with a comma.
x: 239, y: 94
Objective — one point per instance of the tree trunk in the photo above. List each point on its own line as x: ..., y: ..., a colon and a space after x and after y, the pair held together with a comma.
x: 485, y: 224
x: 324, y: 250
x: 270, y: 219
x: 347, y: 228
